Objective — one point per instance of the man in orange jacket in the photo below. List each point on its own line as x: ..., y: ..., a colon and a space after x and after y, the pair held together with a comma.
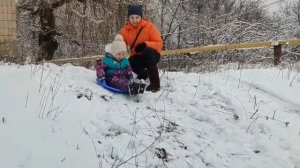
x: 145, y: 44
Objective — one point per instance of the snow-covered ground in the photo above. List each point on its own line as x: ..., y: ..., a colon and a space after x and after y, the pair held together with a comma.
x: 56, y: 116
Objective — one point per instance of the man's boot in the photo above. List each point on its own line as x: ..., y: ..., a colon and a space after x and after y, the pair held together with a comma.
x: 154, y: 79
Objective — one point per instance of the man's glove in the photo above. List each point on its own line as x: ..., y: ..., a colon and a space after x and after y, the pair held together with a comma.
x: 140, y: 47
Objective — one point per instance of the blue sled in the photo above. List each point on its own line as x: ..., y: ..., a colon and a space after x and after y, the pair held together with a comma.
x: 105, y: 86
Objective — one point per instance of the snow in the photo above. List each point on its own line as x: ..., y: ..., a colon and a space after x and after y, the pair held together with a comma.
x: 57, y: 116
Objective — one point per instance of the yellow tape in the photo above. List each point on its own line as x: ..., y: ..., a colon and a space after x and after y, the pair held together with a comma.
x: 221, y: 47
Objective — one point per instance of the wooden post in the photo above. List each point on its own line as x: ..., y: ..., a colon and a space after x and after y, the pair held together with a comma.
x: 277, y: 54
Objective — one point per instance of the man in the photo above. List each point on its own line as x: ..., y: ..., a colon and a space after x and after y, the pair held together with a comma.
x: 144, y: 43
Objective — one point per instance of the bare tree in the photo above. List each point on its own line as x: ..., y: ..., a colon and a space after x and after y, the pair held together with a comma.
x: 46, y: 37
x: 68, y: 28
x: 206, y: 22
x: 76, y: 28
x: 290, y: 27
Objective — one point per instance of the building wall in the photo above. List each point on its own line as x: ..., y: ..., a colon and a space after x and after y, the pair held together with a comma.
x: 8, y: 33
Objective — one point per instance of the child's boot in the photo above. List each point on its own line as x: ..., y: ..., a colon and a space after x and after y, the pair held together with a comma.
x: 133, y: 88
x: 142, y: 86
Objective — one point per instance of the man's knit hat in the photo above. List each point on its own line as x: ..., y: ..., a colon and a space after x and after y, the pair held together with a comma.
x: 118, y: 45
x: 135, y: 10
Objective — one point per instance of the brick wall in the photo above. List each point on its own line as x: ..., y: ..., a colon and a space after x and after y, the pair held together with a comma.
x: 8, y: 33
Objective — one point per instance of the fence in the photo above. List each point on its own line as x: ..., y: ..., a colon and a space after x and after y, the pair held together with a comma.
x: 276, y: 45
x: 8, y: 33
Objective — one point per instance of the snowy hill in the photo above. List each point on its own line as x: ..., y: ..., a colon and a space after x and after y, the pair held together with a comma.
x: 56, y: 116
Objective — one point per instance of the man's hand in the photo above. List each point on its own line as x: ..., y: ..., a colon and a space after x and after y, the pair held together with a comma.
x: 140, y: 47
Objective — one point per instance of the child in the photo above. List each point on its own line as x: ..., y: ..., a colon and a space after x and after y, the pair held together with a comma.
x: 115, y: 69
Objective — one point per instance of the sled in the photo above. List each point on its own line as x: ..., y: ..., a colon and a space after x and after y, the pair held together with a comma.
x: 107, y: 87
x: 134, y: 88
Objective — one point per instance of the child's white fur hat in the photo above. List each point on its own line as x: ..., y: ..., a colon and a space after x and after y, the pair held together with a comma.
x: 118, y: 45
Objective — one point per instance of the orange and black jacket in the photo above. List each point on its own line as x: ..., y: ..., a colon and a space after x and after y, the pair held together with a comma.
x: 149, y: 34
